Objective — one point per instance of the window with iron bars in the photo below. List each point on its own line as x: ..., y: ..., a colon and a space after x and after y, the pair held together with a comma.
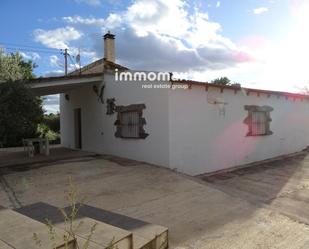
x: 258, y: 120
x: 130, y: 122
x: 258, y: 123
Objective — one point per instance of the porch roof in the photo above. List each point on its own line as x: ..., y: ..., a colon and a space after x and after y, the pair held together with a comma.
x: 61, y: 84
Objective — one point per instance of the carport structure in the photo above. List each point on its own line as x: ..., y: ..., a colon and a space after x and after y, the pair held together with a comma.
x: 62, y: 84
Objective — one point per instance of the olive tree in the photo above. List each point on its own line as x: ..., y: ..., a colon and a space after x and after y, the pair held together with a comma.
x: 20, y: 110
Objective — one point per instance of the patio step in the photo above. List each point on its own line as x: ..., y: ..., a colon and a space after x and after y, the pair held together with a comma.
x: 17, y: 231
x: 145, y: 235
x: 104, y: 235
x: 150, y: 237
x: 4, y: 245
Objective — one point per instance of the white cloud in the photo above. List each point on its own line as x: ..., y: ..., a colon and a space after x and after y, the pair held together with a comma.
x: 218, y: 4
x: 72, y: 67
x: 179, y: 40
x: 53, y: 73
x: 169, y: 36
x: 97, y: 3
x: 51, y: 102
x: 260, y: 10
x: 55, y: 61
x: 30, y: 56
x: 51, y: 99
x: 85, y: 21
x: 112, y: 21
x: 89, y: 54
x: 57, y: 38
x: 154, y: 35
x: 149, y: 16
x: 51, y: 109
x: 90, y: 2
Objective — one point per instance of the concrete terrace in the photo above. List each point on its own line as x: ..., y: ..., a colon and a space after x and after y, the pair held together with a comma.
x: 260, y: 207
x: 17, y: 156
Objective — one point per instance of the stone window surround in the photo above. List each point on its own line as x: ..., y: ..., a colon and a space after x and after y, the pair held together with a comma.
x: 255, y: 108
x: 131, y: 108
x: 110, y: 106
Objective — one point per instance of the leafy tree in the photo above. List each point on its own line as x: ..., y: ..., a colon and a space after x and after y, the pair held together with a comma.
x: 52, y: 121
x: 45, y: 132
x: 20, y: 110
x: 222, y: 81
x: 13, y: 67
x: 50, y: 128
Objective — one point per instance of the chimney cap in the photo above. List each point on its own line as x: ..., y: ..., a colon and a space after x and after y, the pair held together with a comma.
x: 109, y: 35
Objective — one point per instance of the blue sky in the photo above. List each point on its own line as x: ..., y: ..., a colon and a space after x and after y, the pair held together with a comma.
x: 259, y: 43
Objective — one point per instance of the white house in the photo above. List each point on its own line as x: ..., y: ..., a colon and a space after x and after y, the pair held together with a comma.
x: 193, y: 127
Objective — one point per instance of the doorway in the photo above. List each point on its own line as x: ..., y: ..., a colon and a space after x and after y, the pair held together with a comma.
x: 78, y: 128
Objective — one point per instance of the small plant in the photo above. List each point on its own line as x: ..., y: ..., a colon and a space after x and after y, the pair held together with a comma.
x: 70, y: 223
x: 222, y: 81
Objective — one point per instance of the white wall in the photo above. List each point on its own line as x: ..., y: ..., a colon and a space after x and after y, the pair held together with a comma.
x: 91, y: 119
x: 186, y: 132
x: 66, y: 123
x: 155, y: 148
x: 98, y: 129
x: 202, y: 140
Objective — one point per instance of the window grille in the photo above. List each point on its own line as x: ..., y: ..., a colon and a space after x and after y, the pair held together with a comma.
x: 258, y: 123
x: 130, y: 124
x: 130, y: 121
x: 258, y: 120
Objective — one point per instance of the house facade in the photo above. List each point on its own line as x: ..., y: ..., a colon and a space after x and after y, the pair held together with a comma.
x: 192, y: 127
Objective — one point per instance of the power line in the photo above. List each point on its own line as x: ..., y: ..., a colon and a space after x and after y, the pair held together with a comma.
x: 10, y: 47
x: 76, y: 68
x: 26, y: 46
x: 30, y: 50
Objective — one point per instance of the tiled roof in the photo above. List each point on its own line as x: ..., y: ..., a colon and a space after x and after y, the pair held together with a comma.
x: 55, y: 78
x: 98, y: 66
x: 206, y: 85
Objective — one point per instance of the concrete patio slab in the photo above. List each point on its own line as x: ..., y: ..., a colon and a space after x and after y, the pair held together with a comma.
x: 237, y: 210
x: 14, y: 157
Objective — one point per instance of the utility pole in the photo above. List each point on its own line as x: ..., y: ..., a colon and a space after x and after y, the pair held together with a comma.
x: 65, y: 61
x: 77, y: 58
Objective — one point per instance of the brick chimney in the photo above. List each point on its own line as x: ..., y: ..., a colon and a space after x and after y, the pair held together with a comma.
x: 109, y: 47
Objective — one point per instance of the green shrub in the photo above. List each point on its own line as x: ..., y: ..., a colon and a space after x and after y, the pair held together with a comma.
x: 45, y: 132
x: 20, y: 113
x: 52, y: 121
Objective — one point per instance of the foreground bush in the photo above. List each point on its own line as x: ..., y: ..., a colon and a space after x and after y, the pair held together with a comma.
x: 20, y: 113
